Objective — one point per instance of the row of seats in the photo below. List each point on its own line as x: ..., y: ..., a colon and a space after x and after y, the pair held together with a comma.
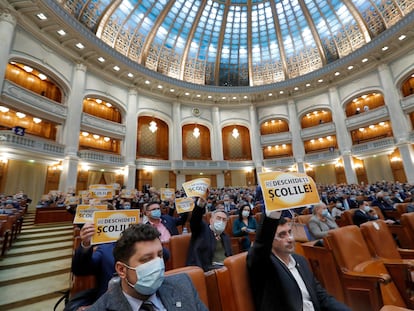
x: 10, y: 227
x: 364, y: 266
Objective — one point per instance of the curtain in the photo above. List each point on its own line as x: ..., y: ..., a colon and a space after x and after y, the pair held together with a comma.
x: 109, y: 178
x: 27, y: 177
x: 94, y: 177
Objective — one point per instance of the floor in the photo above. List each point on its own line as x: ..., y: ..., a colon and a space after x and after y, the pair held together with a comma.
x: 36, y: 269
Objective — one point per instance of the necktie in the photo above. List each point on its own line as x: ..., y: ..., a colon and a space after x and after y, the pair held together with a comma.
x: 147, y: 306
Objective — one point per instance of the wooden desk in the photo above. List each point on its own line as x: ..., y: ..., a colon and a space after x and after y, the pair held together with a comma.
x: 52, y: 214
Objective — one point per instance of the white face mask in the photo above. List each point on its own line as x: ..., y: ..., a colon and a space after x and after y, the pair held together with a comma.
x: 150, y: 276
x: 245, y: 213
x: 219, y: 226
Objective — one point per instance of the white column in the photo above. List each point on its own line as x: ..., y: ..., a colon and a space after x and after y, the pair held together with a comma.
x: 407, y: 156
x: 7, y: 26
x: 177, y: 137
x: 297, y: 143
x: 220, y: 180
x: 217, y: 139
x: 130, y: 140
x: 71, y: 129
x: 343, y: 137
x: 257, y: 154
x: 399, y: 122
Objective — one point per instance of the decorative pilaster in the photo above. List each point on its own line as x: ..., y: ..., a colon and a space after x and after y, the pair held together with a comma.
x: 257, y: 154
x: 177, y: 139
x: 71, y: 129
x: 217, y: 143
x: 130, y: 140
x: 7, y: 27
x: 343, y: 136
x: 407, y: 156
x: 297, y: 143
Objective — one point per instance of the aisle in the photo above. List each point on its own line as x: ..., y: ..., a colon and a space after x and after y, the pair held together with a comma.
x: 36, y: 269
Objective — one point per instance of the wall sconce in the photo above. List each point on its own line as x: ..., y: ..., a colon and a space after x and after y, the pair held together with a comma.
x: 395, y: 159
x: 153, y: 126
x: 196, y: 132
x: 235, y: 133
x: 85, y: 134
x: 37, y: 120
x: 107, y: 139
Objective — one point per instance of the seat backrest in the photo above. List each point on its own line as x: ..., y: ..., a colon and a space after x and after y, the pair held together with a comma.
x: 229, y: 225
x: 303, y: 219
x: 407, y: 221
x: 239, y: 281
x: 348, y: 246
x: 197, y: 277
x: 179, y: 245
x: 379, y: 239
x: 347, y: 217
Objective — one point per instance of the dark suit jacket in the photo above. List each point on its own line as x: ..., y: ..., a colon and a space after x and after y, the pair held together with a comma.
x: 100, y: 263
x: 273, y: 285
x: 360, y: 217
x: 203, y: 242
x: 177, y: 293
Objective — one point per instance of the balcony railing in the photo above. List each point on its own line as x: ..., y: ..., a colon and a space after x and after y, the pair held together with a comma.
x: 101, y: 157
x: 102, y: 126
x: 29, y: 143
x: 318, y: 131
x: 380, y: 145
x: 367, y: 117
x: 279, y: 162
x: 273, y: 139
x: 34, y: 103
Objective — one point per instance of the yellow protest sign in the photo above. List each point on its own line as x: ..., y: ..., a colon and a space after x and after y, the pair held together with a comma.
x: 84, y: 213
x: 284, y: 190
x: 102, y: 192
x: 72, y: 200
x: 183, y: 205
x: 167, y: 193
x: 110, y: 224
x: 197, y: 187
x: 128, y: 193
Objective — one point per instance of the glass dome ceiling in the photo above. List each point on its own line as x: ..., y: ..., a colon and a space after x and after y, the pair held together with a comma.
x: 236, y: 42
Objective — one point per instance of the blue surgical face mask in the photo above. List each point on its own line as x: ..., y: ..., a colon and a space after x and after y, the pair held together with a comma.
x: 367, y: 208
x: 127, y: 206
x: 150, y: 276
x: 245, y: 213
x: 219, y: 226
x: 325, y: 213
x: 156, y: 213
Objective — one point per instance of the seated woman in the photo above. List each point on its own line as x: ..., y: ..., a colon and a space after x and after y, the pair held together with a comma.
x: 321, y: 221
x: 244, y: 224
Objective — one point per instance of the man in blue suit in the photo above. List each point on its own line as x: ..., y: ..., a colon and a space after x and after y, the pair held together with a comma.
x: 280, y: 279
x: 139, y: 264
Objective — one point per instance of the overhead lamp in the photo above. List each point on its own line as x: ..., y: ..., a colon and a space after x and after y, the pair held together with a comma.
x: 107, y: 139
x: 96, y: 136
x: 27, y: 68
x: 20, y: 115
x: 42, y: 76
x: 153, y: 126
x: 235, y: 133
x: 4, y: 109
x: 37, y: 120
x: 85, y: 134
x: 196, y: 132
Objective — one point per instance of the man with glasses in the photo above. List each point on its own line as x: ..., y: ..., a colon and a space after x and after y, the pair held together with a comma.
x: 280, y: 279
x: 165, y: 224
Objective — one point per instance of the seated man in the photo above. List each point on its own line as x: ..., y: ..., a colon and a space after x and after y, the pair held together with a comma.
x: 98, y: 261
x: 364, y: 213
x: 138, y: 262
x: 165, y: 224
x: 209, y: 244
x: 280, y: 279
x: 321, y: 221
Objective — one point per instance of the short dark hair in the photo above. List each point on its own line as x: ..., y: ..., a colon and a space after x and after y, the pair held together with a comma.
x: 282, y: 221
x: 125, y: 246
x: 152, y: 202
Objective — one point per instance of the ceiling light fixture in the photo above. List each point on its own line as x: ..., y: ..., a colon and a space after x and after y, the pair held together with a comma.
x: 235, y: 133
x: 196, y: 132
x: 153, y: 126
